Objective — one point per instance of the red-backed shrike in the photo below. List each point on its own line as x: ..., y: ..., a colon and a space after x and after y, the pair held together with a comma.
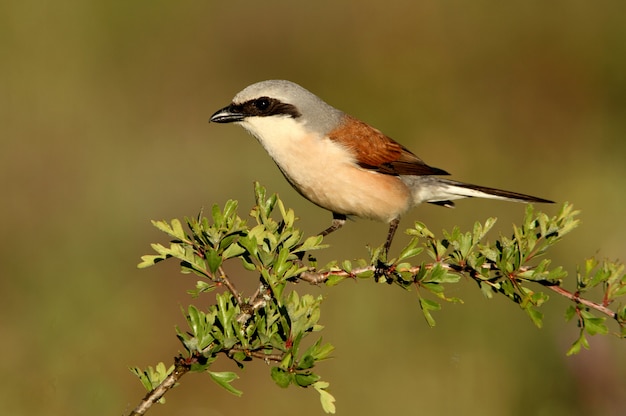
x: 340, y: 163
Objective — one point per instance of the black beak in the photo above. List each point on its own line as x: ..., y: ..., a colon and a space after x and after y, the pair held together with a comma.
x: 228, y: 114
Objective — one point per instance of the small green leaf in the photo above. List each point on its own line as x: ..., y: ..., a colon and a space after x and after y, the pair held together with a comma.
x: 177, y: 229
x: 247, y: 264
x: 174, y: 230
x: 202, y: 286
x: 535, y: 316
x: 594, y: 325
x: 250, y: 243
x: 143, y: 377
x: 152, y: 377
x: 281, y: 377
x: 306, y: 362
x: 230, y: 208
x: 576, y: 346
x: 305, y: 379
x: 570, y: 312
x: 411, y: 250
x: 233, y: 250
x: 224, y: 379
x: 333, y: 280
x: 216, y: 213
x: 428, y: 305
x: 149, y: 260
x: 214, y: 260
x: 327, y: 399
x: 311, y: 243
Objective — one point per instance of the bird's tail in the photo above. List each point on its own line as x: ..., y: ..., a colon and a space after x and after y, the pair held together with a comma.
x: 442, y: 192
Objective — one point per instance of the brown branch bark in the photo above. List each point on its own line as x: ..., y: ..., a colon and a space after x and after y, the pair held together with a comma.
x: 576, y: 298
x: 225, y: 280
x: 257, y: 354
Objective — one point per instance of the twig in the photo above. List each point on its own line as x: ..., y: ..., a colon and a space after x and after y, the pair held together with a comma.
x: 231, y: 287
x: 180, y: 369
x: 257, y: 354
x: 576, y: 298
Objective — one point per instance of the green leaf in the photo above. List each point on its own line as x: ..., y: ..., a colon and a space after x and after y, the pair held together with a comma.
x: 570, y: 312
x: 174, y: 230
x: 202, y: 286
x: 281, y: 377
x: 153, y: 377
x: 306, y: 362
x: 428, y: 305
x: 311, y: 243
x: 318, y: 351
x: 327, y: 399
x: 247, y: 264
x: 594, y: 325
x: 214, y: 260
x: 233, y: 250
x: 281, y: 265
x: 288, y: 215
x: 305, y: 379
x: 177, y: 229
x: 576, y: 346
x: 149, y: 260
x: 410, y: 250
x: 535, y: 316
x: 195, y: 318
x: 333, y: 280
x: 250, y: 243
x: 143, y: 377
x: 224, y: 379
x: 216, y: 213
x: 230, y: 208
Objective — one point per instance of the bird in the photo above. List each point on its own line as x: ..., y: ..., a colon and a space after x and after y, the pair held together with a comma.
x: 341, y: 163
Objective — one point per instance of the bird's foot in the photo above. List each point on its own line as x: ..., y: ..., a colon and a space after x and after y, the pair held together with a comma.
x: 384, y: 271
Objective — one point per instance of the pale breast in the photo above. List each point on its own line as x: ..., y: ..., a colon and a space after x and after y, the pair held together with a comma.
x: 325, y: 172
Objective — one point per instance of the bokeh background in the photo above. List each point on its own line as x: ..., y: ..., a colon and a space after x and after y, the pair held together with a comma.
x: 103, y: 120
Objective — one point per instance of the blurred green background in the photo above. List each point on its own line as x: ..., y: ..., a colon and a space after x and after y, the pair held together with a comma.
x: 103, y: 113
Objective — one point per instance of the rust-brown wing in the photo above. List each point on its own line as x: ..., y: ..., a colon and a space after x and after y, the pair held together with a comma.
x: 375, y: 151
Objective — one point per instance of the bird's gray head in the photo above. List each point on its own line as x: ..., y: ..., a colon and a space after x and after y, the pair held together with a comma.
x: 280, y: 99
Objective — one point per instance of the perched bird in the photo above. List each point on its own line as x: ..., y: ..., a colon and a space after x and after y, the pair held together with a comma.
x: 341, y: 163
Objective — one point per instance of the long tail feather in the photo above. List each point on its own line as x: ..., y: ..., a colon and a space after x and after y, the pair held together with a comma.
x: 443, y: 191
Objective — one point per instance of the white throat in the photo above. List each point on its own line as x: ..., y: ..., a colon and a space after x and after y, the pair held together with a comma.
x: 297, y: 151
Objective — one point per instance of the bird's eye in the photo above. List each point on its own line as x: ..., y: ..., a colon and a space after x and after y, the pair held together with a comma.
x: 262, y: 103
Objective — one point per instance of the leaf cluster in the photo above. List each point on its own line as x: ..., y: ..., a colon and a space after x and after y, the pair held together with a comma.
x: 272, y: 323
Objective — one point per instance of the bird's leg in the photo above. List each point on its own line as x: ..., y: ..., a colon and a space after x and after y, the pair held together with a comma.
x: 338, y: 221
x: 382, y: 268
x: 393, y: 226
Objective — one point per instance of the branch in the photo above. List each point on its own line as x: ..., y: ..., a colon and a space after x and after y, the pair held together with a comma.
x: 575, y: 297
x: 256, y: 354
x: 270, y: 324
x: 316, y: 278
x: 182, y: 366
x: 229, y: 285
